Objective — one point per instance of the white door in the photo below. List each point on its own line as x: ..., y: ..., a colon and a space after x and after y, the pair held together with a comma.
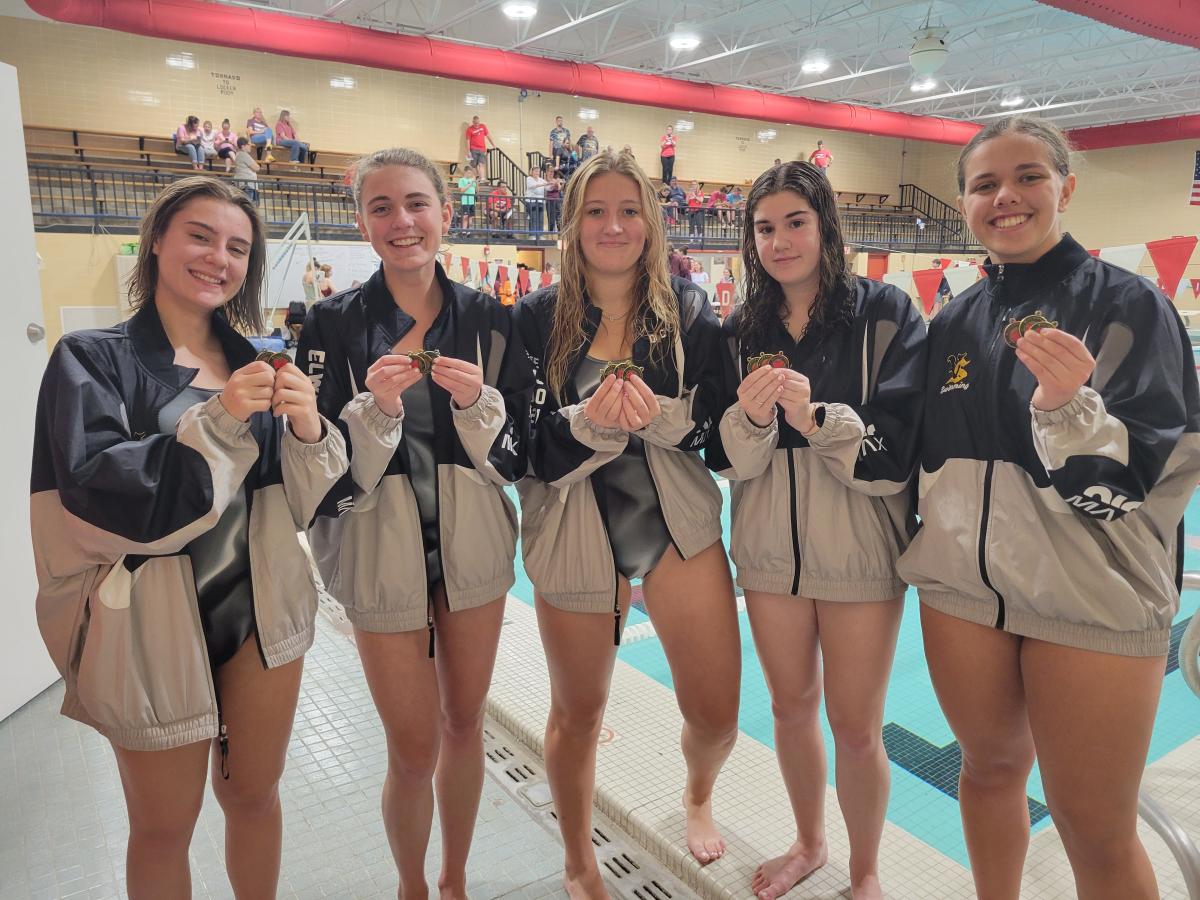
x: 25, y: 667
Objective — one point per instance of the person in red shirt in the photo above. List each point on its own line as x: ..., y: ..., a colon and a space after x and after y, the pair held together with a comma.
x: 666, y: 154
x: 478, y: 137
x: 500, y: 205
x: 821, y: 158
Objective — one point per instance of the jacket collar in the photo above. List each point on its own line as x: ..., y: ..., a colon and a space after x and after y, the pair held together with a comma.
x: 154, y: 350
x: 394, y: 322
x: 1054, y: 265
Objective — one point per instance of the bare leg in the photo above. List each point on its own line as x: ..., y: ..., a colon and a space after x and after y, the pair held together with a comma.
x: 164, y: 790
x: 976, y: 673
x: 259, y: 706
x: 692, y: 607
x: 858, y: 644
x: 403, y: 683
x: 580, y: 655
x: 466, y: 655
x: 785, y: 636
x: 1092, y: 770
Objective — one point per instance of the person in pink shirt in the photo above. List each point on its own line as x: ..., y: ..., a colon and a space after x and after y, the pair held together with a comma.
x: 285, y: 136
x: 666, y: 154
x: 225, y: 144
x: 478, y: 137
x: 187, y: 141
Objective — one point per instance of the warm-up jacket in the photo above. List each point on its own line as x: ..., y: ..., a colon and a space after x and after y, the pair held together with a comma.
x: 367, y: 537
x: 113, y: 507
x: 564, y: 540
x: 827, y: 516
x: 1064, y: 525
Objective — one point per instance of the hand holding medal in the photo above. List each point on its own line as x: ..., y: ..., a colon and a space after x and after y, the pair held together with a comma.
x: 291, y: 394
x: 796, y: 402
x: 461, y: 379
x: 639, y: 406
x: 248, y: 390
x: 1059, y: 361
x: 603, y: 408
x: 388, y: 378
x: 760, y: 391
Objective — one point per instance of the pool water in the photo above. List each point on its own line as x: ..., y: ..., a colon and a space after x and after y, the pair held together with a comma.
x: 922, y: 749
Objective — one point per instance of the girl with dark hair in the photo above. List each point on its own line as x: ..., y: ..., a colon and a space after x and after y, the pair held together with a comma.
x: 167, y: 491
x: 1062, y: 447
x: 188, y: 141
x: 429, y: 385
x: 820, y: 440
x: 616, y: 470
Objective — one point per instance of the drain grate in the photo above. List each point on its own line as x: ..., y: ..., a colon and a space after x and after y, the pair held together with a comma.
x: 599, y: 838
x: 520, y: 773
x: 499, y: 754
x: 621, y: 865
x: 652, y: 890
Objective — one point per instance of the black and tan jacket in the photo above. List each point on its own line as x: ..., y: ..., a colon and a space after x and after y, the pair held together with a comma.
x: 113, y: 506
x: 564, y: 540
x: 827, y: 516
x: 1064, y: 525
x: 367, y: 537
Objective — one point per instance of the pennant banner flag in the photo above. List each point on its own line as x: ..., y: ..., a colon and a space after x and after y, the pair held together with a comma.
x: 725, y: 298
x: 961, y: 277
x: 466, y: 267
x: 1170, y: 258
x: 523, y: 281
x: 1127, y: 256
x: 902, y: 280
x: 1195, y: 287
x: 928, y: 281
x: 483, y: 270
x: 501, y: 274
x: 547, y: 278
x: 446, y: 257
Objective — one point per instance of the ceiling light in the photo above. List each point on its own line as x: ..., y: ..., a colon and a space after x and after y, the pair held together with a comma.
x: 921, y: 85
x: 587, y: 113
x: 342, y: 82
x: 473, y: 99
x: 519, y: 9
x: 684, y: 41
x: 815, y: 66
x: 684, y: 124
x: 1012, y: 100
x: 181, y: 61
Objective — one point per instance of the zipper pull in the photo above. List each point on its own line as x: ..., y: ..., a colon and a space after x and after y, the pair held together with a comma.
x: 617, y: 627
x: 1000, y: 272
x: 431, y: 637
x: 223, y: 743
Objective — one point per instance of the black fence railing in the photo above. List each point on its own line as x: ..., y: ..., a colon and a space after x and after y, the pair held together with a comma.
x: 88, y: 197
x: 937, y: 214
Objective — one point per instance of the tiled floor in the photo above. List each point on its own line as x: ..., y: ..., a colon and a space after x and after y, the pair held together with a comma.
x: 63, y: 825
x: 63, y: 828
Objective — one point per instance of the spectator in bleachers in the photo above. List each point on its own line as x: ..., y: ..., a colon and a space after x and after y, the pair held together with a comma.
x: 226, y: 144
x: 553, y: 199
x: 208, y: 141
x: 666, y: 154
x: 569, y: 161
x: 258, y: 131
x: 699, y: 275
x: 678, y: 263
x: 467, y: 183
x: 670, y: 210
x: 500, y: 205
x: 285, y: 136
x: 245, y: 169
x: 737, y: 204
x: 478, y: 137
x: 821, y: 158
x: 588, y: 145
x: 723, y: 207
x: 695, y: 204
x: 559, y: 135
x: 187, y: 141
x: 678, y: 197
x: 535, y: 199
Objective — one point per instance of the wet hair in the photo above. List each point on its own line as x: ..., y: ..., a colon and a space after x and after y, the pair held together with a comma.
x: 1057, y: 145
x: 654, y: 303
x: 396, y: 156
x: 244, y: 309
x: 833, y: 307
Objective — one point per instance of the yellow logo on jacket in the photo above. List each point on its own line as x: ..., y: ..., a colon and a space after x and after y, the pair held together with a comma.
x: 958, y: 373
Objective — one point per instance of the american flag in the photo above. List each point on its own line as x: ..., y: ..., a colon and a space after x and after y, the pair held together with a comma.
x: 1195, y: 201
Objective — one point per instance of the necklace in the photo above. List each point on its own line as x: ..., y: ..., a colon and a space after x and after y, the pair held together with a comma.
x: 605, y: 315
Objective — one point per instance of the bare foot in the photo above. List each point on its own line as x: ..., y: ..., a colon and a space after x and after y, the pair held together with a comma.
x: 703, y: 839
x: 867, y: 889
x: 586, y: 886
x: 777, y: 876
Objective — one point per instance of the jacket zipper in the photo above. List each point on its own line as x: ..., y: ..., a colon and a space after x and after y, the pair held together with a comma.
x: 437, y: 511
x: 658, y: 497
x: 791, y: 458
x: 983, y: 529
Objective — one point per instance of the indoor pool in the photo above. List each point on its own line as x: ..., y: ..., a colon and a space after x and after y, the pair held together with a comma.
x: 924, y: 755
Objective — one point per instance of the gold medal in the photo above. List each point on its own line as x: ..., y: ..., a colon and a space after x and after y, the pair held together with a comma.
x: 622, y: 368
x: 777, y: 360
x: 276, y: 359
x: 1018, y: 328
x: 423, y: 359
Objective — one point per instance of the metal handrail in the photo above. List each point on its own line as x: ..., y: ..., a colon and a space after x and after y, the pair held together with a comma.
x: 1178, y: 841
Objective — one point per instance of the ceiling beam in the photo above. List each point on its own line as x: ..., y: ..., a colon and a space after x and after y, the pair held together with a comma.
x: 573, y: 23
